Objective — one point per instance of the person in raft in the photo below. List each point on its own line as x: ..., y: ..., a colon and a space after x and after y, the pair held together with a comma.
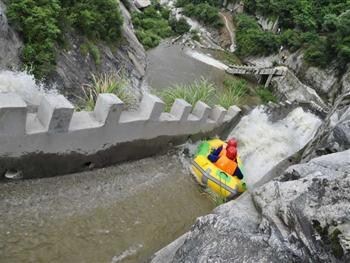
x: 226, y: 159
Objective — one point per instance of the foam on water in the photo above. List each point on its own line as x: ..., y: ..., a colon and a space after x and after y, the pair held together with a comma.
x: 263, y: 144
x: 24, y: 85
x: 206, y: 59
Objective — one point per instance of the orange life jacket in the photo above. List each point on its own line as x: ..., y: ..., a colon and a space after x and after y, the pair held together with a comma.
x: 227, y: 165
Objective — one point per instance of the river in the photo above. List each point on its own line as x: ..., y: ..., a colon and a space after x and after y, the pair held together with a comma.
x: 127, y: 212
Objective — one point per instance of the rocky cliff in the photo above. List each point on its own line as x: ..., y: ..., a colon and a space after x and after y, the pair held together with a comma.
x: 74, y: 68
x: 301, y: 216
x: 10, y: 43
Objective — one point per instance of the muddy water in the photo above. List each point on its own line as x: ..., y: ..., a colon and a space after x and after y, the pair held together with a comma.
x: 170, y: 64
x: 120, y: 214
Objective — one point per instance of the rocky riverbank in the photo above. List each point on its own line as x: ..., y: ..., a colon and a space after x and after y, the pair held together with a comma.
x: 301, y: 216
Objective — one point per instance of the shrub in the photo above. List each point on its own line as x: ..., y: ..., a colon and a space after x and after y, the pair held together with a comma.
x: 179, y: 26
x: 266, y: 95
x: 38, y: 24
x: 97, y: 19
x: 204, y: 12
x: 106, y: 83
x: 41, y: 24
x: 252, y: 40
x: 322, y: 27
x: 151, y: 27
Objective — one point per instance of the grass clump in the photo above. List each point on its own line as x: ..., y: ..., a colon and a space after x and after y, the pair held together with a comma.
x: 266, y: 95
x: 201, y: 90
x: 234, y: 91
x: 106, y: 83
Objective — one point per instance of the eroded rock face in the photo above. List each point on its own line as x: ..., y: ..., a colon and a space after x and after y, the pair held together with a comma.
x: 10, y: 44
x: 302, y: 216
x: 292, y: 89
x: 345, y: 82
x: 323, y: 81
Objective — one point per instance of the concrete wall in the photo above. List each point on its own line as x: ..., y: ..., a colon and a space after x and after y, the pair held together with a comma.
x: 58, y: 140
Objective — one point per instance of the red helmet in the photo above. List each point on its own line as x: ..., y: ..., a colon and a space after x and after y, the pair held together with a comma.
x: 232, y: 142
x: 231, y: 153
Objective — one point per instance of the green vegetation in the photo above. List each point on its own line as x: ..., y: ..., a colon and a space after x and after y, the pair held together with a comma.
x: 206, y: 11
x: 43, y: 23
x: 203, y: 90
x: 155, y: 23
x: 252, y: 40
x: 106, y: 83
x: 265, y: 95
x: 200, y: 90
x: 151, y: 26
x: 322, y: 28
x: 179, y: 26
x: 195, y: 35
x: 234, y: 91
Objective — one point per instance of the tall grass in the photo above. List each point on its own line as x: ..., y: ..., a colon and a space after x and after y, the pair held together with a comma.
x: 205, y: 91
x: 201, y: 90
x: 233, y: 92
x: 113, y: 82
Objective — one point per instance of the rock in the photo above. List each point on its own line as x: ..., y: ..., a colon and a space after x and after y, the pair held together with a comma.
x: 345, y: 81
x: 302, y: 216
x: 10, y: 44
x: 292, y: 89
x: 342, y: 134
x: 295, y: 61
x: 323, y: 81
x: 267, y: 24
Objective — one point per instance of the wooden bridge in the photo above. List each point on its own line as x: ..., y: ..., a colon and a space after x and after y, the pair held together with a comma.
x: 254, y: 70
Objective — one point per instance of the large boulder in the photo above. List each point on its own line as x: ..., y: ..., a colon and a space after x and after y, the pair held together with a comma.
x: 302, y: 216
x: 10, y: 43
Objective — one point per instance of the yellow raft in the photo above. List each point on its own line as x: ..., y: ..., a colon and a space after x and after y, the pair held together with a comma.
x: 208, y: 175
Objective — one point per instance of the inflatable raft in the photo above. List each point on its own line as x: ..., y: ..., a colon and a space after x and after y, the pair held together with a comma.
x: 208, y: 175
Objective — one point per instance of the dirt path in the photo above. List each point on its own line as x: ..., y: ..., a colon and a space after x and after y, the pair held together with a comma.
x: 230, y: 28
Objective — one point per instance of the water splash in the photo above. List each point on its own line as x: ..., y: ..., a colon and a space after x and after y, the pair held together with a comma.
x: 263, y: 144
x: 24, y: 85
x: 206, y: 59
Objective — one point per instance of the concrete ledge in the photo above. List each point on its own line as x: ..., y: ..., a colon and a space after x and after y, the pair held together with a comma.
x: 13, y: 111
x: 218, y: 114
x: 55, y: 113
x: 181, y: 109
x: 201, y: 111
x: 108, y: 109
x: 151, y: 107
x: 56, y: 140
